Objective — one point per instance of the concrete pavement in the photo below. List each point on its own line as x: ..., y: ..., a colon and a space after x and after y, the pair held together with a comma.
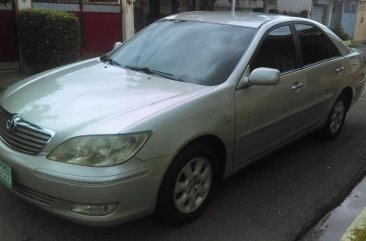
x: 338, y: 225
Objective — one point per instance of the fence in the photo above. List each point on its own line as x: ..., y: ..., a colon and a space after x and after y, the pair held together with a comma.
x: 100, y: 22
x: 8, y: 39
x: 148, y: 11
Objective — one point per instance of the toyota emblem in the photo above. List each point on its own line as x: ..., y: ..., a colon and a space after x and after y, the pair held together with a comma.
x: 12, y: 122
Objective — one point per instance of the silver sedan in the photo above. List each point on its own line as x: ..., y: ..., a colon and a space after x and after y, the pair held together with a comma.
x: 152, y: 126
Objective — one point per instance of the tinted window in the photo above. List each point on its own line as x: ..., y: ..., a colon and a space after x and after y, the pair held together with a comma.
x: 194, y: 52
x: 314, y: 44
x: 277, y: 51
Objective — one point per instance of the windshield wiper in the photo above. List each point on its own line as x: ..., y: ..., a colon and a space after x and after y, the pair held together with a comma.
x: 109, y: 60
x: 150, y: 71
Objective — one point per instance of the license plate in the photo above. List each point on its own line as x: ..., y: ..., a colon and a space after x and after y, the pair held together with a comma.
x: 5, y: 175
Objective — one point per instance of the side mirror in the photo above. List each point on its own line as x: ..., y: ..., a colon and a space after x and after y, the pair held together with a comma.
x: 264, y: 76
x: 116, y: 45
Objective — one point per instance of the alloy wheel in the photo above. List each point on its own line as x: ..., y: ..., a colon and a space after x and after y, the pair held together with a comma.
x: 193, y: 185
x: 337, y: 116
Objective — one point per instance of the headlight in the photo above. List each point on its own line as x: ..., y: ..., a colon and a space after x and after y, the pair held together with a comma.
x: 99, y: 151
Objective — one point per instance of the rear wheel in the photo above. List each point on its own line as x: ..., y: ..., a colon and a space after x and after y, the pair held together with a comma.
x: 188, y: 185
x: 335, y: 120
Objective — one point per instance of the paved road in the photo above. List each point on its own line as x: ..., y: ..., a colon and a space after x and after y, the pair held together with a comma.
x: 276, y: 199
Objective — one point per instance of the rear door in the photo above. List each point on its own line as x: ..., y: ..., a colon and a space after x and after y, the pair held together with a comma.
x: 323, y: 69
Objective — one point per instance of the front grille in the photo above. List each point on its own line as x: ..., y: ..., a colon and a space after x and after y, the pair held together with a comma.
x: 24, y: 137
x: 32, y: 195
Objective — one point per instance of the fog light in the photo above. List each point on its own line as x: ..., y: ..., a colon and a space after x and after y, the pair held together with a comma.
x: 94, y: 210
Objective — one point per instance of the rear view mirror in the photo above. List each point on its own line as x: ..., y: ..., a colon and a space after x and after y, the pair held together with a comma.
x: 264, y: 76
x: 116, y: 45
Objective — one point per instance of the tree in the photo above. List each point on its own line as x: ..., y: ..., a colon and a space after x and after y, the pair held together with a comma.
x: 4, y: 2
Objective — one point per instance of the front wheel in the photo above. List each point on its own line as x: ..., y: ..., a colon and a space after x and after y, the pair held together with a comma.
x: 188, y: 185
x: 335, y: 120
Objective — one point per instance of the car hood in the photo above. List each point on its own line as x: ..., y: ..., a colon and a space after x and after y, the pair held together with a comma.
x: 80, y: 95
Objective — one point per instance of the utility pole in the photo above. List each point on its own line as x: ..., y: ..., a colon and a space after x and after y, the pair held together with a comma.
x: 233, y: 6
x: 22, y: 4
x: 128, y: 21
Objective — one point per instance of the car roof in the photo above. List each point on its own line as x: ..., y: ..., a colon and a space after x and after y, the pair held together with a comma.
x: 244, y: 19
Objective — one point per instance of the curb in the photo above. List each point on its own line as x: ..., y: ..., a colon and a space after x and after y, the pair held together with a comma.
x: 341, y: 223
x: 358, y: 223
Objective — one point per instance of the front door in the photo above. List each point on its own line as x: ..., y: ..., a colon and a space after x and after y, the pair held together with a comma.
x: 267, y: 115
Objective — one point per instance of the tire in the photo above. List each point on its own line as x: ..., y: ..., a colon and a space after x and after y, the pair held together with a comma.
x: 188, y: 185
x: 335, y: 121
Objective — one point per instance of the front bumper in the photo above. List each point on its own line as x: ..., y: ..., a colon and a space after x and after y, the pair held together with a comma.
x: 56, y: 186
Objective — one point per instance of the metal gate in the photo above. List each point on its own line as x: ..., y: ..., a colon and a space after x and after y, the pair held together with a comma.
x: 148, y: 11
x: 317, y: 14
x: 8, y: 39
x: 100, y: 22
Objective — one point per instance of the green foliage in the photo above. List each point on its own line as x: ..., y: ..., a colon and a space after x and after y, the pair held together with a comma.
x: 48, y: 38
x: 358, y: 234
x: 5, y: 2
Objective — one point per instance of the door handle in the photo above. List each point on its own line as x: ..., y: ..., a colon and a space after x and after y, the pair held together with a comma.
x: 297, y: 86
x: 340, y: 70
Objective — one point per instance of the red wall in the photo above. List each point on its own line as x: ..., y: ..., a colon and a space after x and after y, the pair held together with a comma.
x: 100, y: 32
x: 8, y: 41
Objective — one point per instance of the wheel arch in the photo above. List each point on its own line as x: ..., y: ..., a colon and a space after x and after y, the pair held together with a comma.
x: 348, y: 94
x: 217, y: 145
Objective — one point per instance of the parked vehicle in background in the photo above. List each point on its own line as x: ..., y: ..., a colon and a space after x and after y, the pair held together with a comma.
x: 153, y: 125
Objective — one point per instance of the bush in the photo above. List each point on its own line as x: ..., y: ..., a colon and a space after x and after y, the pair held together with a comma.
x: 48, y: 38
x: 4, y: 2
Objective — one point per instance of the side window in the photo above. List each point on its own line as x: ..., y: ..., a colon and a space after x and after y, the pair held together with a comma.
x: 277, y: 51
x: 315, y: 45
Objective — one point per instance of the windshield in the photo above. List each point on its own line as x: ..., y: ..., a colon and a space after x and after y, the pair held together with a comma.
x: 194, y: 52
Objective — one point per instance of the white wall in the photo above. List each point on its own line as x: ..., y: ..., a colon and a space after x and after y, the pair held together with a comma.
x: 23, y: 4
x: 360, y: 29
x: 295, y: 6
